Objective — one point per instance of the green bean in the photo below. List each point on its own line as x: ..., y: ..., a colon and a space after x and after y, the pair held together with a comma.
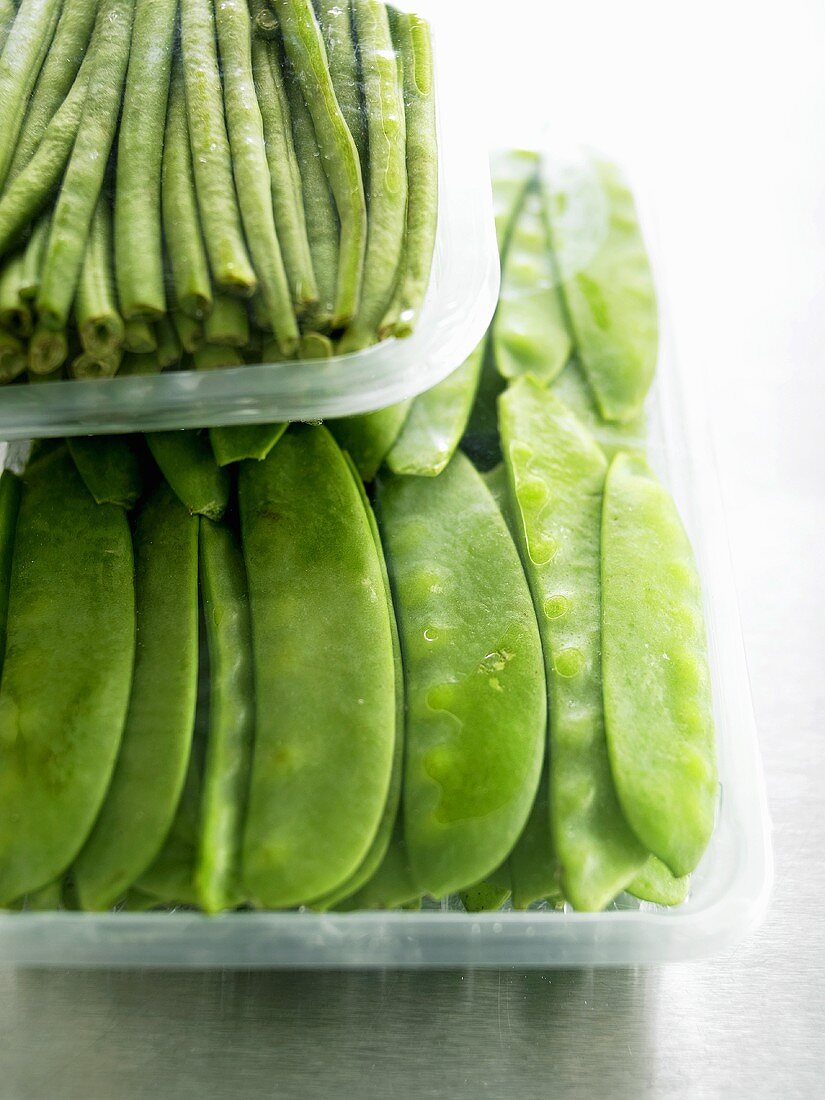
x: 533, y: 864
x: 368, y: 438
x: 186, y: 461
x: 99, y: 323
x: 26, y: 47
x: 287, y: 199
x: 411, y: 36
x: 33, y: 259
x: 169, y: 350
x: 305, y: 50
x: 319, y: 207
x: 215, y: 357
x: 325, y: 729
x: 231, y: 716
x: 264, y: 21
x: 110, y: 466
x: 30, y: 191
x: 60, y: 68
x: 514, y: 171
x: 658, y: 706
x: 12, y: 357
x: 138, y: 237
x: 151, y: 766
x: 82, y: 183
x: 381, y: 842
x: 437, y: 420
x: 48, y: 350
x: 88, y: 366
x: 606, y: 282
x: 484, y: 897
x: 227, y: 325
x: 392, y: 886
x: 57, y: 375
x: 231, y: 445
x: 139, y: 337
x: 71, y: 625
x: 211, y: 158
x: 314, y: 345
x: 8, y: 11
x: 249, y: 163
x: 530, y: 333
x: 190, y: 331
x: 10, y: 489
x: 556, y: 475
x: 133, y: 363
x: 335, y: 21
x: 387, y: 129
x: 181, y: 219
x: 656, y: 883
x: 15, y: 315
x: 572, y: 388
x: 476, y: 699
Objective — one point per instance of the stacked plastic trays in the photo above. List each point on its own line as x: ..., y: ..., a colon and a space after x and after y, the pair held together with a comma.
x: 334, y: 631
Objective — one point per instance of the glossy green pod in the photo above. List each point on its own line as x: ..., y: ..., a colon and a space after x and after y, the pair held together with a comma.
x: 484, y: 897
x: 658, y: 706
x: 476, y: 703
x: 234, y: 444
x: 606, y: 281
x: 534, y: 864
x: 393, y: 885
x: 513, y: 172
x: 151, y: 767
x: 10, y: 490
x: 187, y: 462
x: 530, y: 331
x: 573, y: 389
x: 110, y: 467
x: 367, y: 439
x: 71, y: 626
x: 657, y: 884
x: 556, y: 476
x: 324, y: 672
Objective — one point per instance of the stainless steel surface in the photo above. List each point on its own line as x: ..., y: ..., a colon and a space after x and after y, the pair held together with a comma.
x: 745, y: 247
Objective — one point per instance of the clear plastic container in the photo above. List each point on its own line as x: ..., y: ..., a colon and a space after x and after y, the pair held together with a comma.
x: 459, y: 305
x: 729, y: 890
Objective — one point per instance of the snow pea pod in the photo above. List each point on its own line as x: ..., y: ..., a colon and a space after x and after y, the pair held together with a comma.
x: 186, y: 461
x: 325, y: 722
x: 533, y: 864
x: 573, y: 389
x: 657, y: 884
x: 658, y: 706
x: 392, y: 886
x: 556, y: 474
x: 151, y: 766
x: 513, y: 171
x: 234, y: 444
x: 110, y: 467
x: 231, y: 717
x: 71, y: 625
x: 436, y: 422
x: 607, y: 283
x: 369, y: 437
x: 530, y: 333
x: 10, y: 489
x: 476, y: 695
x: 47, y: 898
x: 484, y: 897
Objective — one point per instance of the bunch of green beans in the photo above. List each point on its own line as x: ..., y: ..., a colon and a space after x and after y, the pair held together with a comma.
x: 177, y: 175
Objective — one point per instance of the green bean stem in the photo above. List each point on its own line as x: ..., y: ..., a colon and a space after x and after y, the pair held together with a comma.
x: 287, y: 198
x: 228, y: 324
x: 211, y: 157
x: 138, y: 238
x: 263, y: 18
x: 48, y: 349
x: 190, y: 331
x: 215, y: 357
x: 87, y: 166
x: 181, y: 219
x: 139, y: 336
x: 339, y: 155
x: 99, y: 323
x: 386, y: 125
x: 411, y: 36
x: 249, y: 162
x: 12, y: 357
x: 335, y: 21
x: 169, y: 349
x: 8, y: 10
x: 93, y: 366
x: 15, y: 315
x: 33, y: 258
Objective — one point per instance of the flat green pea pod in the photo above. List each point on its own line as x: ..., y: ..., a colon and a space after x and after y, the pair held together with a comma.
x: 606, y: 281
x: 393, y: 885
x: 658, y: 706
x: 234, y: 444
x: 368, y: 438
x: 47, y: 898
x: 436, y: 422
x: 556, y: 475
x: 186, y: 461
x: 573, y: 389
x: 10, y: 489
x: 383, y: 836
x: 71, y: 625
x: 530, y: 332
x: 476, y: 696
x: 484, y: 897
x: 657, y: 884
x: 514, y: 171
x: 325, y: 722
x: 110, y: 467
x: 533, y: 863
x: 151, y: 768
x: 231, y: 717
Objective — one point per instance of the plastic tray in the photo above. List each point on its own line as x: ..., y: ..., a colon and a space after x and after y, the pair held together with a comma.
x: 460, y: 303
